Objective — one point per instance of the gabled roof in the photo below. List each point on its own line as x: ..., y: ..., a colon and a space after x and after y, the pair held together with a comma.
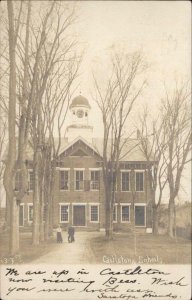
x: 131, y: 150
x: 77, y: 140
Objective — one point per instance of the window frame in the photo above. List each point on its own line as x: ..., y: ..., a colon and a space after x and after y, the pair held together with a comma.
x: 129, y: 172
x: 23, y: 207
x: 123, y: 205
x: 141, y: 172
x: 28, y: 209
x: 98, y: 212
x: 94, y: 170
x: 143, y: 205
x: 60, y: 205
x: 18, y: 173
x: 115, y: 207
x: 65, y: 170
x: 75, y: 170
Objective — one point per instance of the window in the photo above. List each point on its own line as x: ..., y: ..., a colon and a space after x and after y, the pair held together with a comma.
x: 64, y: 180
x: 64, y: 213
x: 79, y: 176
x: 115, y: 213
x: 140, y: 211
x: 94, y: 180
x: 94, y: 213
x: 31, y: 180
x: 125, y: 213
x: 18, y: 181
x: 21, y: 214
x: 139, y: 181
x: 114, y: 182
x: 125, y: 181
x: 30, y: 212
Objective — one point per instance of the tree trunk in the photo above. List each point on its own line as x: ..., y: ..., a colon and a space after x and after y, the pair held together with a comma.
x: 47, y: 197
x: 51, y: 214
x: 51, y: 204
x: 14, y: 228
x: 47, y: 192
x: 36, y: 200
x: 155, y: 220
x: 42, y: 225
x: 47, y: 200
x: 175, y: 223
x: 46, y: 222
x: 7, y: 214
x: 171, y: 217
x: 108, y: 214
x: 9, y: 174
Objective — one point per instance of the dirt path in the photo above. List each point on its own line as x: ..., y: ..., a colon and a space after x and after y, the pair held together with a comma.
x: 78, y: 252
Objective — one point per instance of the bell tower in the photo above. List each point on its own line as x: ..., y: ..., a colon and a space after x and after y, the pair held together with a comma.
x: 79, y: 110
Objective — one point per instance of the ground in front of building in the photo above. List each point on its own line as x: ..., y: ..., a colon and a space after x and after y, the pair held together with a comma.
x: 92, y: 247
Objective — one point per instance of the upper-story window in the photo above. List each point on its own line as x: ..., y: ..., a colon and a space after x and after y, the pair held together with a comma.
x: 64, y: 180
x: 18, y: 181
x: 113, y: 176
x: 31, y: 180
x: 125, y: 181
x: 139, y: 181
x: 94, y: 180
x: 79, y: 180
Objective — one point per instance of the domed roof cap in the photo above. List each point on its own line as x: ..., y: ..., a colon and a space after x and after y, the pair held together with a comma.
x: 80, y: 101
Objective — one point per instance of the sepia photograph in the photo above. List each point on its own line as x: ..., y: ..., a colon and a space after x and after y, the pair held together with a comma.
x: 95, y: 149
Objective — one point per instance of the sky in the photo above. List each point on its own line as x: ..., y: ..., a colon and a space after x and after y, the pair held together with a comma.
x: 160, y: 28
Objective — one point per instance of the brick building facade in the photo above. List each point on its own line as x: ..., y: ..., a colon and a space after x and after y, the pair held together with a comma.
x: 79, y: 192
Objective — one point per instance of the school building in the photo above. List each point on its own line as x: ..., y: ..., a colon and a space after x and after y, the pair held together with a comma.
x: 79, y: 197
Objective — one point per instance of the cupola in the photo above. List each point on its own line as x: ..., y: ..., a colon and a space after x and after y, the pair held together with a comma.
x: 79, y: 109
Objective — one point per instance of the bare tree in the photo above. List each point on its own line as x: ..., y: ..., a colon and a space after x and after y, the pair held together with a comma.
x: 35, y: 51
x: 55, y: 52
x: 9, y: 173
x: 116, y: 102
x: 153, y: 145
x: 3, y: 138
x: 56, y: 102
x: 177, y: 129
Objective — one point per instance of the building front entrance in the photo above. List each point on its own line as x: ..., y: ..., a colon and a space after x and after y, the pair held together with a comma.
x: 79, y: 215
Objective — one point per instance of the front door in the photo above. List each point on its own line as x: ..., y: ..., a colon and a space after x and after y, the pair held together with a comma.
x: 21, y: 215
x: 79, y: 215
x: 139, y: 215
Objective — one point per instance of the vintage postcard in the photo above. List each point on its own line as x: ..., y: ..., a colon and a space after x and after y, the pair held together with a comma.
x: 95, y: 150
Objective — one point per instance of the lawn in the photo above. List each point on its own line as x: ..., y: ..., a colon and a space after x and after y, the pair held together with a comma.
x: 28, y: 252
x: 148, y: 248
x: 121, y: 250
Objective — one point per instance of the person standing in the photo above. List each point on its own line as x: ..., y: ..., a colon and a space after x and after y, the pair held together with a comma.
x: 71, y: 233
x: 59, y: 235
